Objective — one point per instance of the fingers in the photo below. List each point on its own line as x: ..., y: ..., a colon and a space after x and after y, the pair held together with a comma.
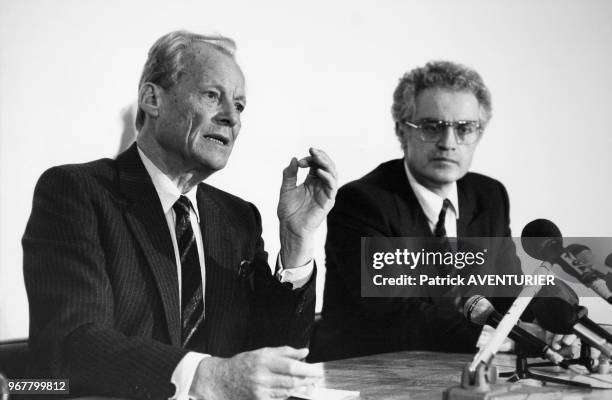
x: 330, y: 182
x: 321, y: 160
x: 564, y: 344
x: 272, y: 373
x: 288, y: 366
x: 288, y: 351
x: 560, y: 340
x: 286, y: 361
x: 555, y: 343
x: 569, y: 340
x: 290, y: 382
x: 318, y: 159
x: 290, y: 175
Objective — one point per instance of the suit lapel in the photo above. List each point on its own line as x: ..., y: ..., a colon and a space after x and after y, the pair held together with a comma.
x: 469, y: 209
x: 413, y: 219
x: 221, y: 259
x: 146, y: 218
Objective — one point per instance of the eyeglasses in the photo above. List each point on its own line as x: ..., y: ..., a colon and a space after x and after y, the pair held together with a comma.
x: 466, y: 132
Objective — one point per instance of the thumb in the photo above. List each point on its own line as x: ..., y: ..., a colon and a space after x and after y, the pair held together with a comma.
x: 290, y: 352
x: 290, y: 175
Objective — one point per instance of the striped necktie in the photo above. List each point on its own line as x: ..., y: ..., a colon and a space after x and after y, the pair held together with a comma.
x: 192, y: 301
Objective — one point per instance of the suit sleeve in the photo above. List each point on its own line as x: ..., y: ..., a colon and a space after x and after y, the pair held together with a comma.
x: 507, y: 261
x: 71, y: 301
x: 283, y: 316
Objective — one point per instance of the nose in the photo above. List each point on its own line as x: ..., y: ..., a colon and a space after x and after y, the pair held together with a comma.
x: 227, y: 114
x: 448, y: 139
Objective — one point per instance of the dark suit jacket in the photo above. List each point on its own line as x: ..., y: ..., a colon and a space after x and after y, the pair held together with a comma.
x: 382, y: 203
x: 102, y: 283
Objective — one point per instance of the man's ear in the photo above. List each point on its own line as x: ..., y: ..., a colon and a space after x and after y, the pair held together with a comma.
x: 149, y: 99
x: 398, y: 131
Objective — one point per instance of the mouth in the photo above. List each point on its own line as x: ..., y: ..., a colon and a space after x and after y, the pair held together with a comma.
x: 217, y: 139
x: 444, y: 160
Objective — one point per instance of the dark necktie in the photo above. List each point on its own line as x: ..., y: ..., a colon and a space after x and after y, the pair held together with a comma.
x: 192, y: 303
x: 442, y: 239
x: 445, y: 246
x: 440, y: 230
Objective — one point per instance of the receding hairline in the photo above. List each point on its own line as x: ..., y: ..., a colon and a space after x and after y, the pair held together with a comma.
x: 191, y: 55
x: 210, y: 50
x: 219, y: 44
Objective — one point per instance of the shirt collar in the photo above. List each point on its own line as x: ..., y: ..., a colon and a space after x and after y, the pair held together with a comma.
x: 167, y: 191
x: 430, y: 202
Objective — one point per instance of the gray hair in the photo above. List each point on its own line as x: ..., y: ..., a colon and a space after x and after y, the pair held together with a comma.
x: 438, y: 75
x: 164, y: 62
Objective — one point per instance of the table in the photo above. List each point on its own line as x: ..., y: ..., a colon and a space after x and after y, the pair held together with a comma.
x: 412, y: 375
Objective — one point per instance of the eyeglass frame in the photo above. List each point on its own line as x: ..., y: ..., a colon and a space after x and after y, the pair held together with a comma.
x: 446, y: 124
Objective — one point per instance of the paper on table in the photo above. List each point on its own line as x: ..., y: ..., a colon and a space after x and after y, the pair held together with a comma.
x: 327, y: 394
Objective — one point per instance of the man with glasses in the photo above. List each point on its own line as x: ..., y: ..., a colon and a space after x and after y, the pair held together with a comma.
x: 440, y: 112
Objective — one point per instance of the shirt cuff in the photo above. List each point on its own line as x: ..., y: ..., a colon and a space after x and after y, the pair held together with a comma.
x: 183, y: 374
x: 297, y: 276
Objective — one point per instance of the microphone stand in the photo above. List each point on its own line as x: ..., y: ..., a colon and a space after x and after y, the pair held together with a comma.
x: 584, y: 359
x: 522, y: 370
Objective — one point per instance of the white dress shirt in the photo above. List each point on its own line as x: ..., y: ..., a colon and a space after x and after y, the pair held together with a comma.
x: 168, y: 194
x: 431, y: 204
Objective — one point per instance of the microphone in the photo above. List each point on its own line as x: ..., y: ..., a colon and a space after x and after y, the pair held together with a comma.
x: 486, y: 353
x: 582, y: 313
x: 591, y: 277
x: 480, y: 311
x: 542, y: 240
x: 563, y: 315
x: 609, y: 260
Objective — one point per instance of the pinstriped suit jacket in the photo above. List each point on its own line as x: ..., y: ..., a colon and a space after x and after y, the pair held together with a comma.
x: 101, y: 279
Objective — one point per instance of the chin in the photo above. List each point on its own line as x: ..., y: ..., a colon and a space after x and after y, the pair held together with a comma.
x: 446, y: 177
x: 213, y: 165
x: 212, y: 160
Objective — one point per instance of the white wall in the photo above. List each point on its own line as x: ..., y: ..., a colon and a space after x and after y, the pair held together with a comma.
x: 319, y: 73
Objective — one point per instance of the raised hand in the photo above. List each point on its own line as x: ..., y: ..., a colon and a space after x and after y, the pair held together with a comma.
x: 302, y: 208
x: 268, y: 373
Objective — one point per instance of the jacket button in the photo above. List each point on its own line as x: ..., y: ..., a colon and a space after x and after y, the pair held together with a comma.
x: 244, y: 269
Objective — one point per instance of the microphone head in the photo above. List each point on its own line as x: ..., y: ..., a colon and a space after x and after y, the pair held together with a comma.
x: 555, y: 308
x: 542, y: 240
x: 609, y: 260
x: 583, y: 253
x: 477, y: 309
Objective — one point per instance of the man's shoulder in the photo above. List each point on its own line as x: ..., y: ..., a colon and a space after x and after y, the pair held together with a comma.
x: 222, y: 196
x: 483, y: 191
x: 384, y: 178
x: 376, y: 192
x: 236, y: 208
x: 479, y: 183
x: 101, y: 171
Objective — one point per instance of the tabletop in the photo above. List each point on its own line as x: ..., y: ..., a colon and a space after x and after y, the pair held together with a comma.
x: 417, y: 375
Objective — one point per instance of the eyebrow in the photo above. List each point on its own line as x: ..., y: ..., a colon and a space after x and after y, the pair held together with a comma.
x: 220, y: 88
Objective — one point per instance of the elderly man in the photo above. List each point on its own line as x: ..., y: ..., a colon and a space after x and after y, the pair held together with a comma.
x: 145, y: 282
x: 440, y: 111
